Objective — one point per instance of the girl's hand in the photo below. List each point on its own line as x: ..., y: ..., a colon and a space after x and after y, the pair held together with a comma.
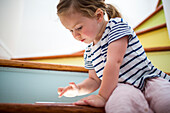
x: 92, y: 100
x: 69, y: 91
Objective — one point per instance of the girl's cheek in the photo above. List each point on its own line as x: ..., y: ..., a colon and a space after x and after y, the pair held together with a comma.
x: 88, y: 33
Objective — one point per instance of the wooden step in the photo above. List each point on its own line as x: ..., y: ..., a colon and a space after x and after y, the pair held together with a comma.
x: 48, y: 108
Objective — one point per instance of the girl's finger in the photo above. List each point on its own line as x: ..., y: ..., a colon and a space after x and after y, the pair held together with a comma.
x: 80, y: 103
x: 64, y: 91
x: 60, y: 90
x: 90, y: 102
x: 72, y: 84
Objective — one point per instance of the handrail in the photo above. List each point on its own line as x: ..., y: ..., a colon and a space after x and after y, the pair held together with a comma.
x: 44, y: 66
x: 158, y: 3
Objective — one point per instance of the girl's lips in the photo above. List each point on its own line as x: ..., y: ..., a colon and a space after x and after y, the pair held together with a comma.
x: 82, y: 40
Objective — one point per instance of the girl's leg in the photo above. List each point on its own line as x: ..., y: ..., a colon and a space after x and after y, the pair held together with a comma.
x: 127, y: 99
x: 157, y: 93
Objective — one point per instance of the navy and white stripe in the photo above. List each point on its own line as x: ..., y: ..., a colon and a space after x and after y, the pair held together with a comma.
x: 135, y: 68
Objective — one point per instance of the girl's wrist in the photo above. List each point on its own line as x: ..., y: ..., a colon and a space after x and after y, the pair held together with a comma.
x: 102, y: 98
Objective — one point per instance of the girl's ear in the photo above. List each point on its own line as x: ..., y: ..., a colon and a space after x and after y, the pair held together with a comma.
x: 99, y: 15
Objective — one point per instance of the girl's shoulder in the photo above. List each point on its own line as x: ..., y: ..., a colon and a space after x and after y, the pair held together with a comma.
x: 117, y: 20
x: 116, y: 24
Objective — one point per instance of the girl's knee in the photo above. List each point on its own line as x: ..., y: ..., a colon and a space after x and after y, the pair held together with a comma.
x: 162, y: 107
x: 127, y: 99
x: 127, y: 107
x: 158, y: 95
x: 114, y: 107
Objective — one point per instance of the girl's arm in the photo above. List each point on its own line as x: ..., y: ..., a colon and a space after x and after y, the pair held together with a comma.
x: 115, y: 55
x: 89, y: 85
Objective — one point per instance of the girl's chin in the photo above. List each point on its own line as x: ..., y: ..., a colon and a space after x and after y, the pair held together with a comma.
x: 87, y: 42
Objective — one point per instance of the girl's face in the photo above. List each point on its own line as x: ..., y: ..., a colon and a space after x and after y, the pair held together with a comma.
x: 83, y: 29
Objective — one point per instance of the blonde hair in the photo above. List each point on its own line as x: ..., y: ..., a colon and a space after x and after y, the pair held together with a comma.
x: 87, y: 7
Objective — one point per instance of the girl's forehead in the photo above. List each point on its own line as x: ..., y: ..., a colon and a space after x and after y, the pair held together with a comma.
x: 71, y: 20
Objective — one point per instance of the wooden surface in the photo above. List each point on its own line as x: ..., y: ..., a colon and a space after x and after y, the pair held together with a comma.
x: 48, y: 108
x: 46, y: 66
x: 157, y: 49
x: 150, y: 29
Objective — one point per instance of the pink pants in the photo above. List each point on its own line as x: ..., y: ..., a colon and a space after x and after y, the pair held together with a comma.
x: 128, y: 99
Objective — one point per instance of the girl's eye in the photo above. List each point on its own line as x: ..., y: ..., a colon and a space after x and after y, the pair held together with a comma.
x: 71, y: 31
x: 79, y: 28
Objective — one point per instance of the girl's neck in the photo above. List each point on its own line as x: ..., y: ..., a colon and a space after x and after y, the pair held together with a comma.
x: 99, y: 36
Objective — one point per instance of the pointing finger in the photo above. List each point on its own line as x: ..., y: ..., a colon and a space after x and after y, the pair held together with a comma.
x: 72, y: 84
x: 64, y: 91
x: 60, y: 90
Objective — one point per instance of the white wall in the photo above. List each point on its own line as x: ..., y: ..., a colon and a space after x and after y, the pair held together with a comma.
x: 10, y: 26
x: 135, y: 11
x: 42, y: 32
x: 4, y: 51
x: 31, y: 28
x: 166, y: 4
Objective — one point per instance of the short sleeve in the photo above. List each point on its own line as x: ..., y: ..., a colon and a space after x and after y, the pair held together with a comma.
x: 87, y: 59
x: 118, y: 30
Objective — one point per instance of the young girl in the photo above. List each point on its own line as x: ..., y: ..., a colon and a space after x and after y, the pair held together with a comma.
x: 116, y: 61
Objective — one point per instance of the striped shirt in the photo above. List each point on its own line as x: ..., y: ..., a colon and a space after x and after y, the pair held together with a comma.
x: 135, y: 68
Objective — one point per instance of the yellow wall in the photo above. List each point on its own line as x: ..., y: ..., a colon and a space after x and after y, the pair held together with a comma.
x: 157, y: 19
x: 161, y: 60
x: 157, y: 38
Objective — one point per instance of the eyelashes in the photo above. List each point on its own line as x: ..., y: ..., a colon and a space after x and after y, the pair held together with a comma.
x: 78, y: 29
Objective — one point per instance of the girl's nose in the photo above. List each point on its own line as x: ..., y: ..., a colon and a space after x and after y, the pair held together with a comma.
x: 76, y: 35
